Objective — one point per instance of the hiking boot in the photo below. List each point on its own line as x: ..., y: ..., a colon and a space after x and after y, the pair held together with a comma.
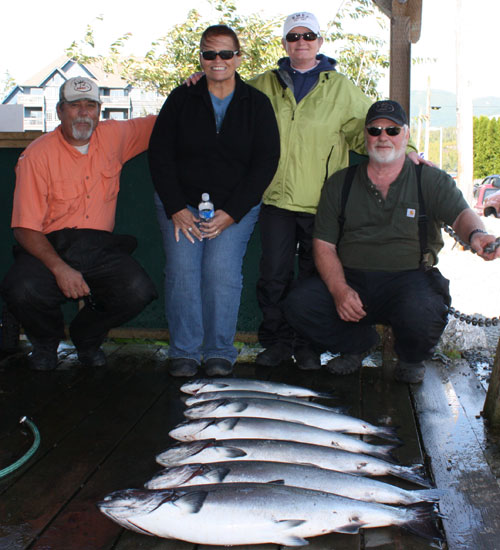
x: 307, y: 359
x: 409, y: 373
x: 181, y: 366
x: 274, y: 355
x: 43, y: 355
x: 218, y: 367
x: 92, y: 357
x: 347, y: 363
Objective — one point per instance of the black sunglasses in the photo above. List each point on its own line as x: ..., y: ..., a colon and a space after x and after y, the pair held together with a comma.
x: 389, y: 130
x: 296, y: 36
x: 210, y: 55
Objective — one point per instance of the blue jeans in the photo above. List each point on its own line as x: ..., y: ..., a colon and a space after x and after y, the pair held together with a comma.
x: 203, y: 283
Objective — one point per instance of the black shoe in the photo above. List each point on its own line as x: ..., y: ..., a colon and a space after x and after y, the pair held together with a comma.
x: 409, y: 373
x: 92, y: 357
x: 218, y: 367
x: 347, y: 363
x: 273, y: 356
x: 307, y: 359
x: 180, y: 366
x: 43, y: 356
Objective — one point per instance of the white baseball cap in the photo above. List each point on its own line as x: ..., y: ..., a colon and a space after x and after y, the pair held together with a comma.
x: 301, y: 19
x: 79, y: 87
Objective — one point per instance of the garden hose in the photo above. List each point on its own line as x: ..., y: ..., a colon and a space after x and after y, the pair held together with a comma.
x: 31, y: 451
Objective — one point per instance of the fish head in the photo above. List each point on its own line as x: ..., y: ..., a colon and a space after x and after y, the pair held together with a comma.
x: 193, y: 386
x: 189, y: 430
x: 216, y: 408
x: 183, y: 453
x: 122, y: 506
x: 176, y: 476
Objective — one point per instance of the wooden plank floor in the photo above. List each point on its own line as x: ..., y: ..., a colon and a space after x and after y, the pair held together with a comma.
x: 102, y: 428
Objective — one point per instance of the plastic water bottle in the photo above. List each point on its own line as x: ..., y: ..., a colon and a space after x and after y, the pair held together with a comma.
x: 205, y: 208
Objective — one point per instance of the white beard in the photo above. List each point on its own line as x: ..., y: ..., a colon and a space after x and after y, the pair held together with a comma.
x: 385, y: 156
x: 79, y: 134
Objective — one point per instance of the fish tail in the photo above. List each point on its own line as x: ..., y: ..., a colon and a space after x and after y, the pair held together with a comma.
x: 423, y: 522
x: 429, y: 495
x: 414, y: 473
x: 389, y: 433
x: 325, y: 395
x: 384, y: 452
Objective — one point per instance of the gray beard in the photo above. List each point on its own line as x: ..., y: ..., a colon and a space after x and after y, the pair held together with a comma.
x: 82, y: 135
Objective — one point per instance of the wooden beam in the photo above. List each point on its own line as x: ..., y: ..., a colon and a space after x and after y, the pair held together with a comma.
x: 406, y: 17
x: 18, y: 139
x: 492, y: 403
x: 400, y: 58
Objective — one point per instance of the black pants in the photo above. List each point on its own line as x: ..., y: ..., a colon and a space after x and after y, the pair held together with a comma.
x: 409, y: 301
x: 283, y: 235
x: 120, y: 288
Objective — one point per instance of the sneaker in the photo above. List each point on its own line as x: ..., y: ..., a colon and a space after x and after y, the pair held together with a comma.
x: 307, y: 359
x: 409, y: 373
x: 43, y: 355
x: 182, y: 367
x: 273, y: 356
x: 92, y: 357
x: 347, y: 363
x: 218, y: 367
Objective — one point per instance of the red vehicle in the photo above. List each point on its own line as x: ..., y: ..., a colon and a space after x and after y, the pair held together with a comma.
x: 483, y: 190
x: 492, y: 205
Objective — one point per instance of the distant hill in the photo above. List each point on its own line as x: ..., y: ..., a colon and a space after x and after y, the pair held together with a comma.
x: 446, y: 116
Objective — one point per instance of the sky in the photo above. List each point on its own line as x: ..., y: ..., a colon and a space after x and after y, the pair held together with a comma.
x: 32, y: 37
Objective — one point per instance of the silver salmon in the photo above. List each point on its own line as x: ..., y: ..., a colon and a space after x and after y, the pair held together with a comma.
x: 294, y: 475
x: 224, y: 384
x: 265, y: 428
x: 212, y: 395
x: 291, y: 412
x: 255, y: 513
x: 289, y: 452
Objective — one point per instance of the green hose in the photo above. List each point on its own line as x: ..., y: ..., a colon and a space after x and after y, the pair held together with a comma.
x: 36, y: 443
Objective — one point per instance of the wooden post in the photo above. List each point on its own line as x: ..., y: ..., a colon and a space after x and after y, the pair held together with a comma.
x: 491, y: 409
x: 405, y: 16
x: 399, y: 84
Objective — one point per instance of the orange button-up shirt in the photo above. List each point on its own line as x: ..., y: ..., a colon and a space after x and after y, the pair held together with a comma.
x: 59, y: 187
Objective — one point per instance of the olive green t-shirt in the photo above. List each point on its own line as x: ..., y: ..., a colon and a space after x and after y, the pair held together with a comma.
x: 382, y: 234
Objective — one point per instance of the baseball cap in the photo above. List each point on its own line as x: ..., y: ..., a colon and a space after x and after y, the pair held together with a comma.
x: 301, y: 19
x: 79, y: 87
x: 389, y: 109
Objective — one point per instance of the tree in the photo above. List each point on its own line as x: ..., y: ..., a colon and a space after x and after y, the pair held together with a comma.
x: 6, y: 84
x: 174, y: 56
x: 361, y: 57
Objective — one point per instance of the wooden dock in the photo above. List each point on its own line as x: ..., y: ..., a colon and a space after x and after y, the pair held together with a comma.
x: 102, y: 428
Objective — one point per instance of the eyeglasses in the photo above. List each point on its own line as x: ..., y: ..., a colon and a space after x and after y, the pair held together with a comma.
x: 389, y: 130
x: 296, y: 36
x: 210, y: 55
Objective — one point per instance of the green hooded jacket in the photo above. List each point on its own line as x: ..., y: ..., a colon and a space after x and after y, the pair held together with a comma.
x: 316, y: 135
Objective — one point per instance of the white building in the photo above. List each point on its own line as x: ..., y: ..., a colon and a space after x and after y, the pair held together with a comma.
x: 39, y: 95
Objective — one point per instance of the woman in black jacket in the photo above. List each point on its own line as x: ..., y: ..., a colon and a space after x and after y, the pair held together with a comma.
x: 219, y: 137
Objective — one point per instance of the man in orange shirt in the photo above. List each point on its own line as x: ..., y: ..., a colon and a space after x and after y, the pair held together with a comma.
x: 67, y: 182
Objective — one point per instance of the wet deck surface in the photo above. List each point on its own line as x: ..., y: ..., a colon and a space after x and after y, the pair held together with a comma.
x: 102, y: 428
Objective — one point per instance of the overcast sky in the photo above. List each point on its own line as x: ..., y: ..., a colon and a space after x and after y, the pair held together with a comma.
x: 33, y: 37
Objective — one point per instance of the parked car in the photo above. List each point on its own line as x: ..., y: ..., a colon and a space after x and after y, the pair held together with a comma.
x: 483, y: 190
x: 492, y: 205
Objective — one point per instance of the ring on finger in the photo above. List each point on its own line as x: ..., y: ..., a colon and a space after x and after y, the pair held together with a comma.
x: 190, y: 229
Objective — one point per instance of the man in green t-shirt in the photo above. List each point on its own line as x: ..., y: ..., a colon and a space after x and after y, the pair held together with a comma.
x: 375, y: 267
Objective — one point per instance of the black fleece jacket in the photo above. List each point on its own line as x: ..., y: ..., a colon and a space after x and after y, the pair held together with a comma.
x: 187, y: 156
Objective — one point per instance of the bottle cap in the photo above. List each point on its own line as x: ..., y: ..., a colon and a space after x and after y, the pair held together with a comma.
x: 205, y: 197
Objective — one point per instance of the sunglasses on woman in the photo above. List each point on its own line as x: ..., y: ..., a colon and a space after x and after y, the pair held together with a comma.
x: 389, y: 130
x: 296, y: 36
x: 210, y: 55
